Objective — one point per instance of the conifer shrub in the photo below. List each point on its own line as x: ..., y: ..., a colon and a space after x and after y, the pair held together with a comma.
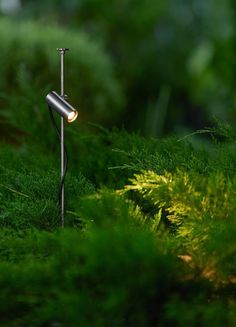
x: 152, y: 245
x: 108, y: 210
x: 110, y: 157
x: 29, y: 189
x: 103, y: 278
x: 197, y: 207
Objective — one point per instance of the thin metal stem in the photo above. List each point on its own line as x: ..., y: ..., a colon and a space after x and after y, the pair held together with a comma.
x: 62, y: 202
x: 62, y: 147
x: 57, y: 129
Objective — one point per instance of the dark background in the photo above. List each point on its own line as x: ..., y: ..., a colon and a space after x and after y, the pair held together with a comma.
x: 169, y: 66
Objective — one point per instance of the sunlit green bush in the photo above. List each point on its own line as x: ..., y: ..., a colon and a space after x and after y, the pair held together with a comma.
x: 188, y: 199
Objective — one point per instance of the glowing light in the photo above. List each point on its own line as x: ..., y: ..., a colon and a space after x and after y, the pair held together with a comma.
x: 72, y: 116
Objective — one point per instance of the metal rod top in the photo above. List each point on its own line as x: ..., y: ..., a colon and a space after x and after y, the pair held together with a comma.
x: 62, y: 50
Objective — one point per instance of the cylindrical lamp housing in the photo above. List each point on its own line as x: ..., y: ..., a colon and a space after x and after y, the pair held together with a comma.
x: 60, y: 105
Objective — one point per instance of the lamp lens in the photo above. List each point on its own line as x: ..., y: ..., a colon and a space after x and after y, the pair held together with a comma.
x: 72, y: 116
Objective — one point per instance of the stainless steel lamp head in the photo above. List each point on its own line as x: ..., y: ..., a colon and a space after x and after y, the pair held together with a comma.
x: 60, y: 105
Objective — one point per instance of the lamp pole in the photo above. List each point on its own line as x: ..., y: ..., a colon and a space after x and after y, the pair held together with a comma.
x: 62, y: 53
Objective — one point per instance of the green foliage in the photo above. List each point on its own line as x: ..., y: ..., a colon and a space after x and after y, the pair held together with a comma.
x: 184, y: 47
x: 29, y: 191
x: 108, y: 210
x: 156, y: 251
x: 195, y: 206
x: 106, y: 278
x: 111, y: 157
x: 30, y: 68
x: 188, y: 198
x: 197, y: 312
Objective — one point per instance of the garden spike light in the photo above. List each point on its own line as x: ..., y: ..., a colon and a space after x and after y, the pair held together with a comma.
x: 58, y: 103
